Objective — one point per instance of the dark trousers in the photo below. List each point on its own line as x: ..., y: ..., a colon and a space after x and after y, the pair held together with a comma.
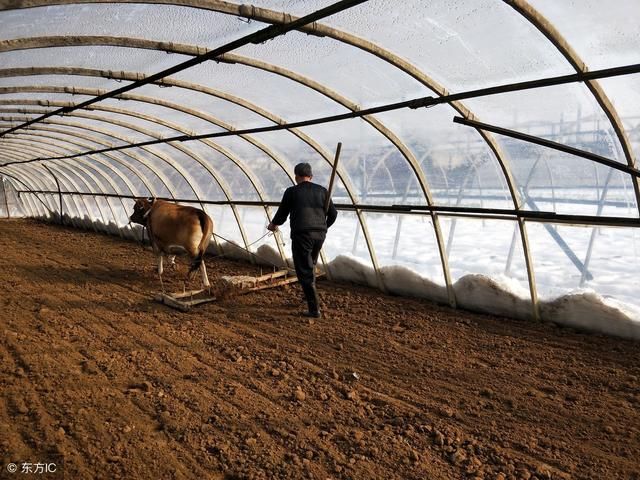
x: 305, y: 247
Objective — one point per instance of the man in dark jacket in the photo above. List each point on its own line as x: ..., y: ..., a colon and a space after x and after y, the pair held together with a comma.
x: 309, y: 223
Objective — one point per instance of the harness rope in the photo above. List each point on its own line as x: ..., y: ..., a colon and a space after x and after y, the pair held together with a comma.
x: 252, y: 253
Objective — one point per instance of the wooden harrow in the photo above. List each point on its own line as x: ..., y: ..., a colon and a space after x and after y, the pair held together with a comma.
x: 230, y: 285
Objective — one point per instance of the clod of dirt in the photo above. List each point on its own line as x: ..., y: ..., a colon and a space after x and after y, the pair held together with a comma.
x: 299, y: 395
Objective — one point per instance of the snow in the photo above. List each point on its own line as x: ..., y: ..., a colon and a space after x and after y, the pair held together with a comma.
x: 587, y: 310
x: 496, y: 296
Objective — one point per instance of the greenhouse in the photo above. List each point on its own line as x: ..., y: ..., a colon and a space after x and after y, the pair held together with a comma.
x: 485, y: 162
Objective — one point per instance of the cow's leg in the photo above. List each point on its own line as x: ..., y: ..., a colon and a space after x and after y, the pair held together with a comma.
x: 205, y: 279
x: 160, y: 270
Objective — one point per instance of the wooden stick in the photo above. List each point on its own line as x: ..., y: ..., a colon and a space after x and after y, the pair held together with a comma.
x: 333, y: 176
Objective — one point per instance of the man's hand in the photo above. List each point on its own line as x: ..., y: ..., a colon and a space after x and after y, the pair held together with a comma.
x: 272, y: 227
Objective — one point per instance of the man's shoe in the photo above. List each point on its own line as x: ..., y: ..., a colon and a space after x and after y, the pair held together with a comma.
x: 312, y: 314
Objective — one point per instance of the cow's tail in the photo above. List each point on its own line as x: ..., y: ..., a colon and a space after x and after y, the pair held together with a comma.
x: 206, y: 224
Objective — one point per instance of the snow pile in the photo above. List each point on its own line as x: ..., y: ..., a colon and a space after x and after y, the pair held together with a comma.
x: 586, y: 309
x: 231, y: 250
x: 265, y: 254
x: 349, y: 268
x: 496, y: 296
x: 403, y: 281
x: 269, y: 255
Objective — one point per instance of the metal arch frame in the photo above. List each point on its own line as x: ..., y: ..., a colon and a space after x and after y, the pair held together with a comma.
x: 246, y: 170
x: 35, y: 177
x: 130, y: 42
x: 269, y: 16
x: 25, y: 201
x: 16, y: 179
x: 553, y: 35
x: 111, y: 168
x: 225, y: 152
x: 234, y: 159
x: 237, y: 101
x: 8, y: 179
x: 68, y: 178
x: 273, y: 17
x: 144, y: 162
x: 46, y: 42
x: 119, y: 174
x: 216, y: 147
x: 187, y: 176
x: 32, y: 205
x: 190, y: 181
x: 176, y: 166
x: 130, y: 166
x: 545, y: 27
x: 260, y: 36
x: 86, y: 166
x: 274, y: 118
x: 127, y: 165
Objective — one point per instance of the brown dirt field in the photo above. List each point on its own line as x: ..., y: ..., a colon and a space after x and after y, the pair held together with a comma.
x: 122, y: 387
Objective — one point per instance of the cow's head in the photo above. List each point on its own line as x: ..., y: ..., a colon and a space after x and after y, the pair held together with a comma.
x: 140, y: 210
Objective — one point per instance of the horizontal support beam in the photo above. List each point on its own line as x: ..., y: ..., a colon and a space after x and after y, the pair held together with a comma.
x: 471, y: 212
x: 261, y: 36
x: 549, y: 144
x: 422, y: 102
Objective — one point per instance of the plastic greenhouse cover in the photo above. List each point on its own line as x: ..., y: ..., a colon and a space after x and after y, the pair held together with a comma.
x: 375, y: 53
x: 459, y: 44
x: 604, y: 34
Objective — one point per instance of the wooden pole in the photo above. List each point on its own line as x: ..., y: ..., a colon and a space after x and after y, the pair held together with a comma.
x: 327, y: 202
x: 331, y: 180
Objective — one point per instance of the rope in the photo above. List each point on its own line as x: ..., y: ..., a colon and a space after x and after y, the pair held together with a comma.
x: 246, y: 249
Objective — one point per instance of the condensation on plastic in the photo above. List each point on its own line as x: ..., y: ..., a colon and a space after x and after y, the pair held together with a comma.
x: 460, y: 45
x: 353, y: 73
x: 179, y: 24
x: 604, y: 34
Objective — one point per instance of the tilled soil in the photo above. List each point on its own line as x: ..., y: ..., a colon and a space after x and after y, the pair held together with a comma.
x: 98, y: 375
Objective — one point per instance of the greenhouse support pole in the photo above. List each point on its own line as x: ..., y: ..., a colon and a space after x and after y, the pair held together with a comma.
x: 59, y: 192
x: 6, y: 202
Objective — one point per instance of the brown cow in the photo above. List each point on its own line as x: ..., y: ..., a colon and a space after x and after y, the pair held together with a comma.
x: 170, y: 225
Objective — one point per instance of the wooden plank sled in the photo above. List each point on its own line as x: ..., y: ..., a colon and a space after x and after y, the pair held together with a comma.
x: 184, y: 301
x: 240, y: 284
x: 245, y: 284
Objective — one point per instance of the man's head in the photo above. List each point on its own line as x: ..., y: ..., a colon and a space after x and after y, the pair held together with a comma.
x: 303, y: 172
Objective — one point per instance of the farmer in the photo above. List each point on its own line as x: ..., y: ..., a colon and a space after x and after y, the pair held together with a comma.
x: 309, y: 223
